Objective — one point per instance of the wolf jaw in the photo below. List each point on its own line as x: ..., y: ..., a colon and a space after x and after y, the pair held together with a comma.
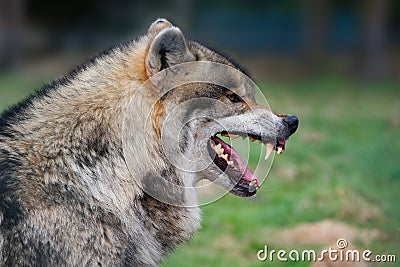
x: 229, y: 161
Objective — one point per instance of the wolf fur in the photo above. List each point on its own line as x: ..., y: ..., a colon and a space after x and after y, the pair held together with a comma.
x: 67, y: 196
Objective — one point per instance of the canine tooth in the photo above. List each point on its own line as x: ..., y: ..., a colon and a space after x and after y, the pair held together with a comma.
x: 279, y: 150
x: 225, y: 157
x: 230, y: 163
x: 269, y: 147
x: 218, y: 149
x: 233, y: 136
x: 252, y: 186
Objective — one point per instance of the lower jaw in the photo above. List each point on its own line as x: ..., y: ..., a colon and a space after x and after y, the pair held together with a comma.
x: 242, y: 191
x: 246, y: 183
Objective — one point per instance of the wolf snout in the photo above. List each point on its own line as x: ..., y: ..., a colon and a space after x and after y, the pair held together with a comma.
x: 293, y: 122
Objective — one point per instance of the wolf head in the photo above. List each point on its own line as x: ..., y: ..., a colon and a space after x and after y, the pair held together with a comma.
x: 197, y: 96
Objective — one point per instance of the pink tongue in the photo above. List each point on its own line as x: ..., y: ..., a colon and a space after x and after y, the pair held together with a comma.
x: 247, y: 175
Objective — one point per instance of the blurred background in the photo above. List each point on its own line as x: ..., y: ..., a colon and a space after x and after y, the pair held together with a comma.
x: 358, y: 38
x: 335, y: 64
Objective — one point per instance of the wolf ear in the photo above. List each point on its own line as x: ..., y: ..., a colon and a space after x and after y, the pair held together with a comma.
x: 158, y: 25
x: 168, y: 48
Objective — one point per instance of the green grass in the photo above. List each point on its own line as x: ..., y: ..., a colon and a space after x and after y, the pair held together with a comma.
x: 13, y: 88
x: 342, y: 164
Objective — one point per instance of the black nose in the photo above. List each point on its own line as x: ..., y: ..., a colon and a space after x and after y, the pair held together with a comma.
x: 293, y: 123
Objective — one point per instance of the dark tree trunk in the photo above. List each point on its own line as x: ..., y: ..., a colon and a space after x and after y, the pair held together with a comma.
x: 374, y: 24
x: 11, y: 16
x: 316, y: 18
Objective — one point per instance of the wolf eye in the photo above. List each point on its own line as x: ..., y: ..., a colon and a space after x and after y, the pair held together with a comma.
x: 234, y: 98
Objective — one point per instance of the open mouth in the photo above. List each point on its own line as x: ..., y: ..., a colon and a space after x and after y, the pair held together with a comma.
x: 233, y: 165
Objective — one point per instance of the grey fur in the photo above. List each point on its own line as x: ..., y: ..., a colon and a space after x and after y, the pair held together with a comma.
x: 67, y: 195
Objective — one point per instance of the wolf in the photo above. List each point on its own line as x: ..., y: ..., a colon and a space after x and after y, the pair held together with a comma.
x: 96, y: 168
